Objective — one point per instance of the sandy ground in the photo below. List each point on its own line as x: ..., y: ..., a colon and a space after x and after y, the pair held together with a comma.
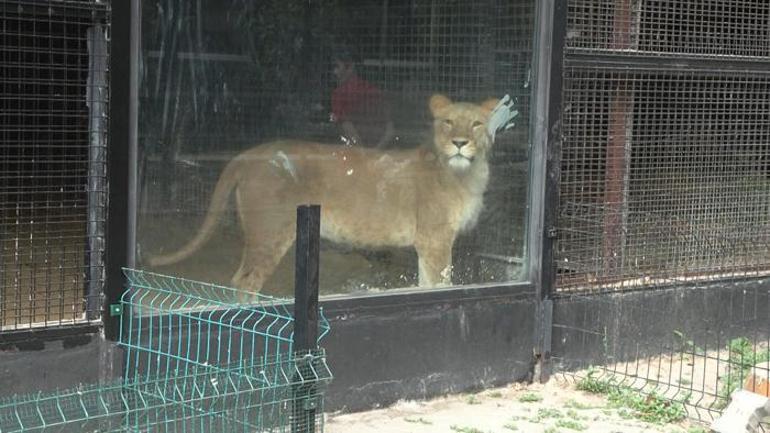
x: 562, y: 409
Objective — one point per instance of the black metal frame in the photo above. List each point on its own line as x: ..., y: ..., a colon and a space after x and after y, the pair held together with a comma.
x: 33, y: 338
x: 552, y: 33
x: 306, y: 308
x: 125, y: 150
x: 122, y: 156
x: 641, y: 62
x: 389, y: 306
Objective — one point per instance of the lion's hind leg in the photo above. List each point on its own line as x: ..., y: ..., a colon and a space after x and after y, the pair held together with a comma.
x: 267, y: 238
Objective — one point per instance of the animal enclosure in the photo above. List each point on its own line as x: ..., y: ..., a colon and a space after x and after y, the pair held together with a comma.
x: 226, y: 76
x: 663, y: 245
x: 626, y: 212
x: 52, y: 162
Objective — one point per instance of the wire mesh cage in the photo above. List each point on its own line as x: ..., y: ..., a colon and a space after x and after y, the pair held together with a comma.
x: 195, y: 360
x: 710, y: 28
x: 664, y: 178
x: 53, y: 118
x: 663, y: 243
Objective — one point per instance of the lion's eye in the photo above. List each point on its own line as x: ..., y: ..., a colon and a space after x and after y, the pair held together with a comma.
x: 448, y: 123
x: 476, y: 124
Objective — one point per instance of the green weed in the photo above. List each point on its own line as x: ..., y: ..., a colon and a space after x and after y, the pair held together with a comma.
x: 570, y: 424
x: 742, y: 356
x: 530, y: 397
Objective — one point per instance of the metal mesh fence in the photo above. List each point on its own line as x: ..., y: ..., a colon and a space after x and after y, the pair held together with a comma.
x: 665, y: 184
x: 664, y: 170
x: 664, y: 177
x: 195, y: 361
x: 712, y: 28
x: 689, y: 350
x: 53, y: 73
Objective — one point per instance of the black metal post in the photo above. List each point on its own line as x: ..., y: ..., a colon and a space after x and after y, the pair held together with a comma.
x: 553, y: 22
x: 121, y: 155
x: 96, y: 99
x: 306, y: 277
x: 306, y: 312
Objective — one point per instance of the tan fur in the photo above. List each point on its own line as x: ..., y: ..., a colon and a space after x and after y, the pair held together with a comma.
x: 369, y: 198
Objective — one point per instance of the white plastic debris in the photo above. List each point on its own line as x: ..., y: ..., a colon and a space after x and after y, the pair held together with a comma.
x: 502, y: 117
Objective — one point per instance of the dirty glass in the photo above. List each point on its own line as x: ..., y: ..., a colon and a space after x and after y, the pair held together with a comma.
x: 387, y: 113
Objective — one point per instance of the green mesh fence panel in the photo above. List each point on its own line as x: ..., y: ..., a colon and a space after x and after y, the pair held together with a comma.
x: 196, y: 360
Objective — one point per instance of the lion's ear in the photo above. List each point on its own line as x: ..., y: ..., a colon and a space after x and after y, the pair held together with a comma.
x: 437, y: 102
x: 489, y: 104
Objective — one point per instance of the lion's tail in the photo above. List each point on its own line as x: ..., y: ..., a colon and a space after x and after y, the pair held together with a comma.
x: 226, y: 183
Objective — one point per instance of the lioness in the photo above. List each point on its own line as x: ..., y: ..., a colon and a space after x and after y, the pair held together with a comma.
x: 369, y: 198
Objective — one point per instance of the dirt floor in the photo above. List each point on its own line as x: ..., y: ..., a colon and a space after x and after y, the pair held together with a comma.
x: 555, y: 407
x: 695, y: 377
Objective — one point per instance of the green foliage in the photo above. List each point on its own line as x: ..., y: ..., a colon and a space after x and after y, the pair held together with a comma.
x: 530, y: 397
x: 549, y: 413
x: 742, y: 356
x: 648, y: 407
x: 651, y: 407
x: 570, y: 424
x: 574, y: 404
x: 511, y: 426
x: 472, y: 399
x: 594, y: 384
x: 687, y: 345
x: 459, y: 429
x: 418, y: 421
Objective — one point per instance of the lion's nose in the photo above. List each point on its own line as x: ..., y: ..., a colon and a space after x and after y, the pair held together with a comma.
x: 459, y: 142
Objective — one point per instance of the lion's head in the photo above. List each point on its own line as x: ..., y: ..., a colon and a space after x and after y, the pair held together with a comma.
x: 460, y: 131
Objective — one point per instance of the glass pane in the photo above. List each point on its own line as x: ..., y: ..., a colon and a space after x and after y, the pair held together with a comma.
x: 378, y: 110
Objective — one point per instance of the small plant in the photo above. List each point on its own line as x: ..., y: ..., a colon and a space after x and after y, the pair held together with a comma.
x: 418, y: 421
x: 697, y: 429
x: 544, y: 413
x: 741, y: 358
x: 551, y: 430
x: 648, y: 407
x: 574, y: 404
x: 687, y: 345
x: 570, y: 424
x: 572, y: 414
x: 594, y: 384
x: 530, y: 397
x: 458, y: 429
x: 511, y: 426
x: 472, y: 399
x: 549, y: 413
x: 496, y: 394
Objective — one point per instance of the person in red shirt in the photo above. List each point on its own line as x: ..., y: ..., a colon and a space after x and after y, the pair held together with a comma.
x: 359, y: 107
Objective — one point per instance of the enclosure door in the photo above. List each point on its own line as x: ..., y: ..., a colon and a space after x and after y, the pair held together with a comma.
x: 52, y: 161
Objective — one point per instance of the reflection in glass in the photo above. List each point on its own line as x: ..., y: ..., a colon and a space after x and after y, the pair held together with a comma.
x: 375, y: 110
